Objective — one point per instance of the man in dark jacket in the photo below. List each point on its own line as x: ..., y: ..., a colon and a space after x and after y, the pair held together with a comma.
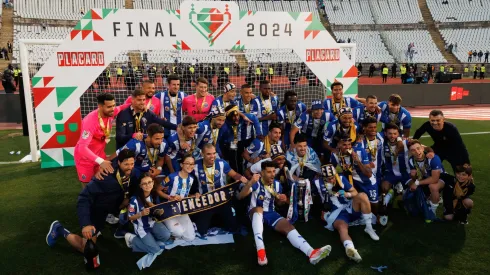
x: 97, y: 200
x: 133, y: 121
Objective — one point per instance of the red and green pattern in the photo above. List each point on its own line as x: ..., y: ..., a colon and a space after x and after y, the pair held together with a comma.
x: 315, y: 26
x: 210, y: 22
x: 181, y: 45
x: 238, y: 46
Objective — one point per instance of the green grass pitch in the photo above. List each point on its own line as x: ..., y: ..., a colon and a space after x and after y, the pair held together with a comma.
x: 32, y: 198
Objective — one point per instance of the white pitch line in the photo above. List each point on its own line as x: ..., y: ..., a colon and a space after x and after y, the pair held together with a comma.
x: 466, y: 134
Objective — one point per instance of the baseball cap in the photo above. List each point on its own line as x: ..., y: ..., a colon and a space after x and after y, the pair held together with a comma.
x: 316, y: 104
x: 229, y: 87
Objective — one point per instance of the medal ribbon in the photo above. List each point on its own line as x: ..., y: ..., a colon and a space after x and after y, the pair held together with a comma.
x: 152, y: 157
x: 334, y: 106
x: 124, y: 184
x: 347, y: 168
x: 105, y: 128
x: 209, y: 177
x: 373, y: 150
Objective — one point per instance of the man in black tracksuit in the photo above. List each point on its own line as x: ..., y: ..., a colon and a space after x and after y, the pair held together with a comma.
x: 448, y: 144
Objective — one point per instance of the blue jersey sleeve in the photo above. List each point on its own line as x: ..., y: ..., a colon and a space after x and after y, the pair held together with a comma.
x: 226, y: 167
x: 254, y: 146
x: 347, y: 185
x: 131, y: 145
x: 256, y: 124
x: 435, y: 163
x: 302, y: 107
x: 201, y: 127
x: 255, y: 186
x: 411, y: 164
x: 354, y: 103
x: 407, y: 120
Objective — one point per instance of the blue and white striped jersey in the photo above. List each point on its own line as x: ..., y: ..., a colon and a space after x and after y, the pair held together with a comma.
x: 216, y: 173
x: 261, y: 197
x: 143, y: 225
x: 142, y: 161
x: 178, y: 185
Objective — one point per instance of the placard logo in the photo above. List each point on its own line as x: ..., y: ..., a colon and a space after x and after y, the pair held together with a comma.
x: 322, y: 55
x: 80, y: 59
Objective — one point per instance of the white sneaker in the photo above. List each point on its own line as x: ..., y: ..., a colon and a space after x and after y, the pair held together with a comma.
x: 128, y: 237
x: 371, y: 234
x: 110, y: 219
x: 353, y: 254
x: 319, y: 254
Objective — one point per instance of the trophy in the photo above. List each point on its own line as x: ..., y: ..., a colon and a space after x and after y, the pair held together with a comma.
x: 301, y: 199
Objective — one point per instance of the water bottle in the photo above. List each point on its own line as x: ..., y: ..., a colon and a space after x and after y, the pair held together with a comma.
x: 91, y: 255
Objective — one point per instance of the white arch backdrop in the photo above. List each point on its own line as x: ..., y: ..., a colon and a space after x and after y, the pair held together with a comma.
x: 104, y: 33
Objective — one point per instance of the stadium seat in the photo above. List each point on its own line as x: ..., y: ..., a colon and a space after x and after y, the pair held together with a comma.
x: 425, y: 49
x: 63, y: 10
x: 467, y: 39
x: 459, y: 11
x: 370, y: 47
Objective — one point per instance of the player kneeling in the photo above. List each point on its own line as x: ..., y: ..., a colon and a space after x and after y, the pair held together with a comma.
x: 265, y: 191
x: 456, y: 194
x: 346, y: 206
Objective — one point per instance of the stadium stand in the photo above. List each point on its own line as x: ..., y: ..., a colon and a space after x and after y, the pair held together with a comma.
x: 396, y: 11
x: 460, y: 11
x: 370, y: 47
x: 425, y: 50
x: 348, y: 12
x: 63, y: 10
x: 467, y: 40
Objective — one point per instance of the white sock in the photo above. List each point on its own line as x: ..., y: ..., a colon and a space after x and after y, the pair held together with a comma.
x: 258, y: 228
x: 348, y: 244
x: 299, y: 242
x: 367, y: 220
x: 387, y: 199
x: 433, y: 206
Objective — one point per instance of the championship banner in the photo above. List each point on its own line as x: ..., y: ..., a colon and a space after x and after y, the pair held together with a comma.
x: 192, y: 205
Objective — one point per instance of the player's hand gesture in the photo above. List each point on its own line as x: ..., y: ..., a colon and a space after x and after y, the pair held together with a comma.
x: 88, y: 231
x: 177, y: 198
x: 106, y: 167
x: 145, y: 212
x: 255, y: 178
x: 282, y: 198
x: 243, y: 179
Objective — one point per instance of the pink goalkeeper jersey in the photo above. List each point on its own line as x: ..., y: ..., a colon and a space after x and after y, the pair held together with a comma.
x: 154, y: 106
x: 91, y: 144
x: 197, y: 108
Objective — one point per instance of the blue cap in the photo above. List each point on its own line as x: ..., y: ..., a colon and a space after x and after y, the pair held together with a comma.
x: 316, y: 104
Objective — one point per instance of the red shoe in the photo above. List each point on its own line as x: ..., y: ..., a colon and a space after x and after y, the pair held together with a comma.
x: 262, y: 259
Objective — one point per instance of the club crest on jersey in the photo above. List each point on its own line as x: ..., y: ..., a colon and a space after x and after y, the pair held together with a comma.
x: 85, y: 134
x: 144, y: 120
x: 263, y: 112
x: 179, y: 100
x: 83, y: 176
x: 206, y: 139
x: 167, y: 109
x: 261, y: 197
x: 205, y: 105
x: 216, y: 172
x: 203, y: 182
x: 131, y: 208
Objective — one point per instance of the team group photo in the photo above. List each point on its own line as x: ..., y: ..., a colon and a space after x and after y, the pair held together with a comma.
x: 213, y: 137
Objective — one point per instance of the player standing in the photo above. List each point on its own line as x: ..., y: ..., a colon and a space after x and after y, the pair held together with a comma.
x: 95, y: 134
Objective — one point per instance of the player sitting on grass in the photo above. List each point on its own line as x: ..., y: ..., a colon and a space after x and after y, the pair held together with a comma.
x: 265, y: 191
x: 97, y: 199
x: 456, y: 194
x: 346, y: 205
x: 150, y: 235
